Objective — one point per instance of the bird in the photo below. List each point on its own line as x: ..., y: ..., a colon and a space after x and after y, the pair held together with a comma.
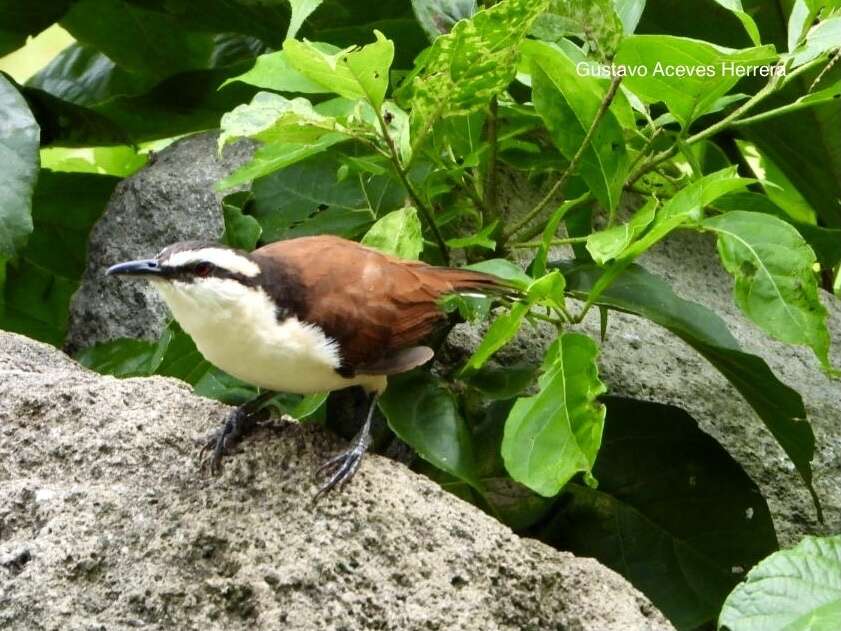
x: 305, y: 315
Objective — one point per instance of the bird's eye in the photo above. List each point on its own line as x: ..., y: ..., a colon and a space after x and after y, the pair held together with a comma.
x: 203, y: 269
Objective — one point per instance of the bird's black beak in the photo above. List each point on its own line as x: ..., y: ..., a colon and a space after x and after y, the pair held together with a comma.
x: 146, y: 267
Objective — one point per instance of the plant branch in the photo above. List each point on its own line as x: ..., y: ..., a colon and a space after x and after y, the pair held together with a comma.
x: 573, y: 164
x: 538, y: 244
x: 490, y: 183
x: 404, y: 178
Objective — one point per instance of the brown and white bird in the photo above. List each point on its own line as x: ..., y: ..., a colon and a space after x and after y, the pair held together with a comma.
x: 313, y: 314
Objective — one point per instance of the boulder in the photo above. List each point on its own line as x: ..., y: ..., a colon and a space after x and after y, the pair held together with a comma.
x: 172, y: 199
x: 106, y: 524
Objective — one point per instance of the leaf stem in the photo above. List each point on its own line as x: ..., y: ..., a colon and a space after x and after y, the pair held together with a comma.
x: 490, y: 185
x: 404, y: 178
x: 538, y: 244
x: 573, y: 164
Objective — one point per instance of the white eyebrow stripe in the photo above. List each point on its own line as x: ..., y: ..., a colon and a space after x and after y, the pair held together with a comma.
x: 226, y: 259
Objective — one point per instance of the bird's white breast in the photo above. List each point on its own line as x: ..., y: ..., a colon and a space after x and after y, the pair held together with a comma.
x: 236, y: 328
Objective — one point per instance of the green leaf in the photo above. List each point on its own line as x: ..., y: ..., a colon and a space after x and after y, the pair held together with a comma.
x: 747, y: 21
x: 826, y: 242
x: 241, y: 231
x: 437, y: 17
x: 674, y: 513
x: 139, y: 40
x: 304, y: 192
x: 481, y: 239
x: 568, y: 103
x: 397, y: 233
x: 273, y: 71
x: 687, y: 97
x: 501, y: 331
x: 354, y: 73
x: 551, y: 436
x: 802, y: 16
x: 538, y: 265
x: 779, y: 406
x: 462, y: 70
x: 499, y: 383
x: 775, y: 283
x: 425, y: 415
x: 301, y: 10
x: 121, y: 358
x: 504, y: 269
x: 792, y: 590
x: 272, y: 118
x: 608, y: 244
x: 19, y: 134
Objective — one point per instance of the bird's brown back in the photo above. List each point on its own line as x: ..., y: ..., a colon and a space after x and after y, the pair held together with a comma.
x: 373, y: 304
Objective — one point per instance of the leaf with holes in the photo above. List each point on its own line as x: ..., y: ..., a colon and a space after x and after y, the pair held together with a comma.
x: 551, y: 436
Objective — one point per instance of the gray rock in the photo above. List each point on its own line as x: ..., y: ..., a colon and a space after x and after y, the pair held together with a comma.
x: 170, y: 200
x: 642, y: 360
x: 106, y: 524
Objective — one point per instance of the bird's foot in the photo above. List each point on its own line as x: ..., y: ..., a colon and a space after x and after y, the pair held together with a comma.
x: 240, y: 422
x: 341, y: 468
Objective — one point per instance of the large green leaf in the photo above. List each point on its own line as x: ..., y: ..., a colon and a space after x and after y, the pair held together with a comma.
x: 610, y: 243
x: 358, y: 73
x: 398, y: 233
x: 425, y: 415
x: 568, y: 104
x: 272, y: 71
x: 462, y: 70
x: 19, y: 135
x: 551, y: 436
x: 692, y: 95
x: 139, y: 40
x: 779, y: 406
x: 792, y: 590
x: 673, y: 512
x: 775, y: 281
x: 22, y: 18
x: 40, y: 285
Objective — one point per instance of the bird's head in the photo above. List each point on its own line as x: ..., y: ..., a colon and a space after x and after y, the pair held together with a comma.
x: 205, y: 274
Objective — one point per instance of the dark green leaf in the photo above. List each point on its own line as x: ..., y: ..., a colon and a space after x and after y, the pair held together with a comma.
x: 792, y: 590
x: 121, y: 358
x: 747, y: 21
x: 22, y: 18
x: 19, y: 136
x: 139, y: 40
x: 779, y: 406
x: 501, y: 382
x: 551, y: 436
x: 673, y: 513
x: 301, y: 10
x: 568, y: 104
x: 425, y: 415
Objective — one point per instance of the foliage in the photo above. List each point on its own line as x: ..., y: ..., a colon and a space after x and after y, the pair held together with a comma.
x: 795, y: 590
x: 392, y: 124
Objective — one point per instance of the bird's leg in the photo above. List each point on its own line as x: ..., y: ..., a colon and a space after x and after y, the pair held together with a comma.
x: 343, y: 466
x: 240, y: 423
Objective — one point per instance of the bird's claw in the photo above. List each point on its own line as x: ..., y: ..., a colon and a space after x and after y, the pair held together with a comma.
x: 341, y: 468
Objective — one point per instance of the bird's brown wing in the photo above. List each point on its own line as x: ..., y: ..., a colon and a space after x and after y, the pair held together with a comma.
x: 373, y: 304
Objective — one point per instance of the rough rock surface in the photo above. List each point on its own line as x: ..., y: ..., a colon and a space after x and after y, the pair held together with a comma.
x: 105, y: 524
x: 170, y: 200
x: 642, y: 360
